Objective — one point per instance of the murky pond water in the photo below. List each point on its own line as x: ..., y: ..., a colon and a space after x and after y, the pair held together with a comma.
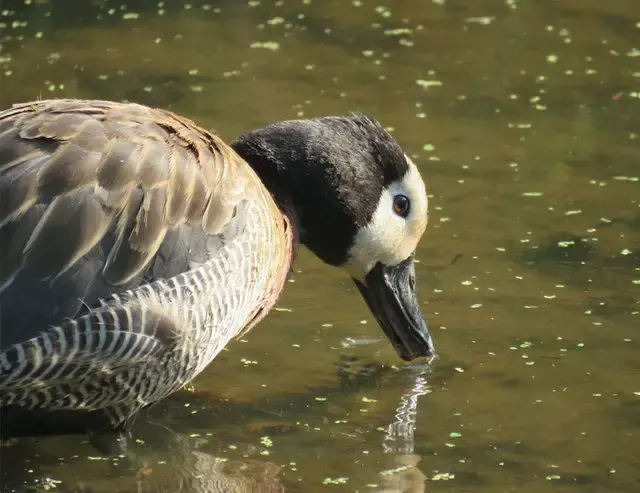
x: 524, y: 117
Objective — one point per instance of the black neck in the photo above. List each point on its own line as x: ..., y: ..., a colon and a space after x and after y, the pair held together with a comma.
x: 329, y: 171
x: 298, y: 183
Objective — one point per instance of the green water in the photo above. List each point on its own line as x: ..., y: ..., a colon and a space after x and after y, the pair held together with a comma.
x: 524, y: 117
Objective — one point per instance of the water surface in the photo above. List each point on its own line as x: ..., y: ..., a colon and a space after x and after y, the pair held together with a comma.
x: 523, y: 117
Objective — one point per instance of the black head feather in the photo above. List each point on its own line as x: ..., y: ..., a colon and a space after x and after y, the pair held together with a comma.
x: 332, y: 170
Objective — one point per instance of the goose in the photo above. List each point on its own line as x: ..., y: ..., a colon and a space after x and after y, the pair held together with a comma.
x: 135, y: 245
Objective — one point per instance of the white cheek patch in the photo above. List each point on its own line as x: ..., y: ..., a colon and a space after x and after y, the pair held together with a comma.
x: 390, y: 238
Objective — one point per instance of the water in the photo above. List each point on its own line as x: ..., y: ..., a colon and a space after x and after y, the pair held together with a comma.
x: 522, y: 116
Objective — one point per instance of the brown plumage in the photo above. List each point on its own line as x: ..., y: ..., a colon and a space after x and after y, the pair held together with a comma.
x: 135, y: 245
x: 102, y: 164
x: 96, y: 183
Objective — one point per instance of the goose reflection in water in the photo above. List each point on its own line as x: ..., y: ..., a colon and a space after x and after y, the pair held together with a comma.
x: 403, y: 475
x: 195, y: 471
x: 181, y: 465
x: 199, y: 472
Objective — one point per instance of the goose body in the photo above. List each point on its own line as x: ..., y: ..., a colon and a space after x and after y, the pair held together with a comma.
x: 135, y: 245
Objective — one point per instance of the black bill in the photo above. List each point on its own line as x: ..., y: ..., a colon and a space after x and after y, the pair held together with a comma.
x: 391, y: 296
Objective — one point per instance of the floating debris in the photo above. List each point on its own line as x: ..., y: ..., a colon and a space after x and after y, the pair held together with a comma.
x: 443, y: 476
x: 426, y: 84
x: 266, y: 45
x: 329, y: 480
x: 484, y: 20
x: 266, y: 441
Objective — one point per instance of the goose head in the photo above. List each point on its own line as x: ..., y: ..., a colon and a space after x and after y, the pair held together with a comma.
x: 359, y: 203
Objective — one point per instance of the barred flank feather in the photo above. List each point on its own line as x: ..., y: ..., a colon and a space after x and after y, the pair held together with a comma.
x: 73, y: 173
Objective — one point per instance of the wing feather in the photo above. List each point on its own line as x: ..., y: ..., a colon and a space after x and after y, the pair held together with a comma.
x: 71, y: 226
x: 100, y: 167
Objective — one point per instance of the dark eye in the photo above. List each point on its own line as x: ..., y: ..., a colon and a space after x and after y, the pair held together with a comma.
x: 401, y: 205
